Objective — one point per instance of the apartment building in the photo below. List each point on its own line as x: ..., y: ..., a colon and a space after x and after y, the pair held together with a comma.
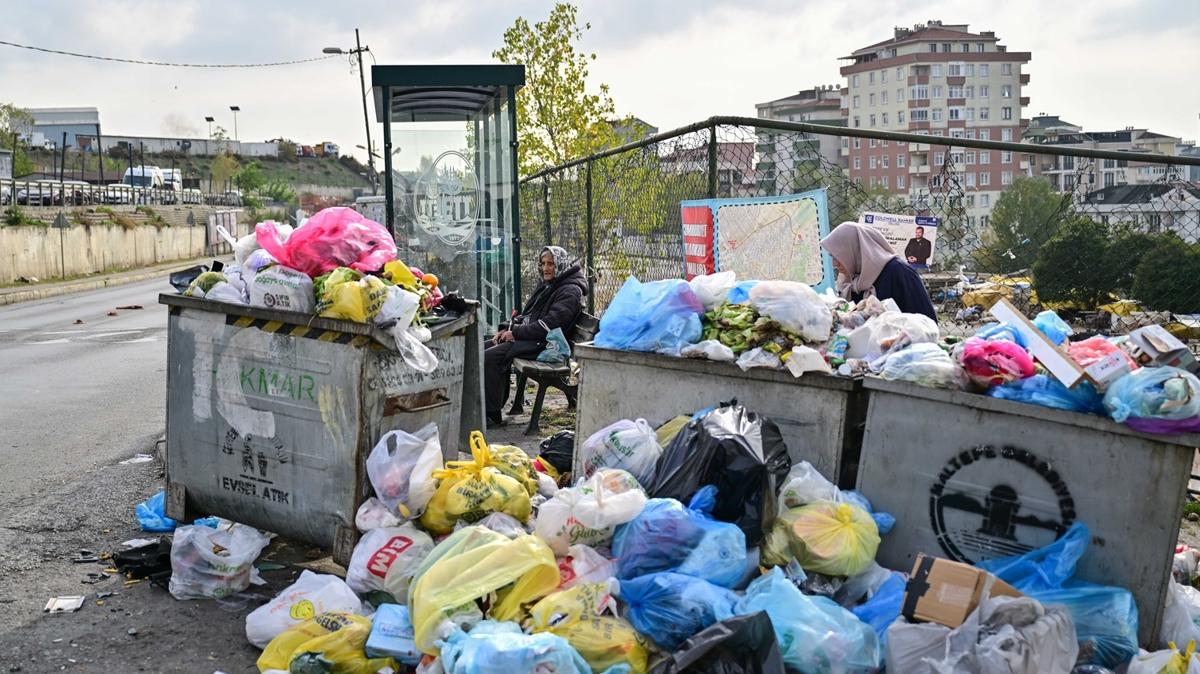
x: 940, y: 80
x: 787, y: 161
x: 1080, y: 176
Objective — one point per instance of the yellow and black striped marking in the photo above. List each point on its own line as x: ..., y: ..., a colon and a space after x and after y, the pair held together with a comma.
x: 331, y: 336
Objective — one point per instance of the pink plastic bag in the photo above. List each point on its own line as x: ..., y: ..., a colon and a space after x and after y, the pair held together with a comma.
x: 995, y: 363
x: 334, y: 237
x: 1095, y: 349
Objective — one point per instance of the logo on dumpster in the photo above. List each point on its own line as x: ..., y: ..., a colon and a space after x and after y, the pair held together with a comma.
x: 446, y: 198
x: 997, y: 502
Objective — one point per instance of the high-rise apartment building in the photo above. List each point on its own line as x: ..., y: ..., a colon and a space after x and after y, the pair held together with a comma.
x: 940, y: 80
x: 788, y: 161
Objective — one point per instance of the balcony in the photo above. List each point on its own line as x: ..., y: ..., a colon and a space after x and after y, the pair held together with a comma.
x: 914, y: 148
x: 951, y: 81
x: 918, y: 126
x: 1025, y: 79
x: 955, y: 101
x: 918, y: 103
x: 918, y: 169
x: 918, y: 79
x: 1024, y: 101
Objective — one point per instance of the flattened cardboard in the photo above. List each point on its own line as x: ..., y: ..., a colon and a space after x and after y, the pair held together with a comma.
x: 1056, y: 360
x: 946, y: 592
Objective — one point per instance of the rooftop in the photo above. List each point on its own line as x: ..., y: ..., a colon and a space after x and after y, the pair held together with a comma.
x: 1138, y: 194
x: 930, y: 30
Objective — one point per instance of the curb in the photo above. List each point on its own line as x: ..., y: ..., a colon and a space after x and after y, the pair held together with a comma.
x: 90, y: 284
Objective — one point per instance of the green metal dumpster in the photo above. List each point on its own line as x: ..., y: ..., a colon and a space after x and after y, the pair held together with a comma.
x: 271, y: 414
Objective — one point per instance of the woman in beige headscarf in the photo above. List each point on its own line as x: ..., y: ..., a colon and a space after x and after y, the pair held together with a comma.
x: 867, y: 265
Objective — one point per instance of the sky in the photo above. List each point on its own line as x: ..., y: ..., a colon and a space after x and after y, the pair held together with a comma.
x: 1103, y: 64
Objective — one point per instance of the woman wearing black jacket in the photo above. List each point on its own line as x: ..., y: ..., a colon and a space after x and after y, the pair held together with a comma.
x: 555, y: 303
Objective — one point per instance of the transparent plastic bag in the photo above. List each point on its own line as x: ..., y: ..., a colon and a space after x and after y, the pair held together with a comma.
x: 1167, y: 393
x: 1002, y: 331
x: 660, y: 316
x: 892, y: 331
x: 835, y: 539
x: 471, y: 490
x: 883, y: 608
x: 380, y: 551
x: 333, y: 237
x: 373, y: 514
x: 795, y: 306
x: 803, y: 359
x: 399, y: 308
x: 710, y: 349
x: 758, y: 357
x: 671, y: 607
x: 712, y: 289
x: 1052, y: 326
x: 557, y: 350
x: 1179, y: 623
x: 590, y: 512
x: 311, y: 595
x: 401, y: 468
x: 502, y: 648
x: 992, y: 363
x: 804, y: 485
x: 629, y: 445
x: 211, y: 563
x: 582, y: 564
x: 924, y: 364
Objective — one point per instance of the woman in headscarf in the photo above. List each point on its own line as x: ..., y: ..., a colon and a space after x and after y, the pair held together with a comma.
x: 867, y: 265
x: 555, y: 303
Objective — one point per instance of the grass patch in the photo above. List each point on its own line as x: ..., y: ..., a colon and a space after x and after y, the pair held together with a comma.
x: 1191, y: 507
x: 152, y: 217
x: 15, y: 217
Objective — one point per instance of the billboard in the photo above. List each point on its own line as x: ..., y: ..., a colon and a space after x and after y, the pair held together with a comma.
x: 912, y: 236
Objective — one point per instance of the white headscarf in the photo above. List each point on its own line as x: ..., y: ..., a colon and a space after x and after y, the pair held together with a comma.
x: 864, y: 253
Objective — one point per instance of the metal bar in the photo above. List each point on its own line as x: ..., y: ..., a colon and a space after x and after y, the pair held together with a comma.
x: 516, y: 194
x: 389, y: 190
x: 591, y: 296
x: 374, y: 177
x: 712, y: 162
x: 546, y: 210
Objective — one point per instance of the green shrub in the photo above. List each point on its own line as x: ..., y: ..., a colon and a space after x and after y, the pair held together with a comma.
x: 1070, y: 266
x: 1168, y: 277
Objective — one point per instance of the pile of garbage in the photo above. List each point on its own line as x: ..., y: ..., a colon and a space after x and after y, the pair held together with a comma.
x: 1145, y: 379
x: 337, y: 264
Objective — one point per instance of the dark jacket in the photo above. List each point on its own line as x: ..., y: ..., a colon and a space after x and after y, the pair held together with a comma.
x: 903, y: 285
x: 554, y: 304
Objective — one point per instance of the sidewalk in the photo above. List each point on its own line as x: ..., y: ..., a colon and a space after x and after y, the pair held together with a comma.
x: 37, y: 291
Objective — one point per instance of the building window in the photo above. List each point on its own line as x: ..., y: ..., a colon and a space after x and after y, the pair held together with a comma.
x: 1006, y: 157
x: 966, y: 47
x: 983, y: 221
x: 933, y: 46
x: 1005, y: 113
x: 899, y: 95
x: 919, y: 115
x: 1005, y: 91
x: 854, y: 80
x: 956, y: 157
x: 970, y: 117
x: 939, y: 158
x: 985, y: 134
x: 871, y: 77
x: 900, y: 117
x: 920, y: 92
x: 954, y: 91
x: 900, y: 182
x: 871, y: 100
x: 1110, y: 163
x: 969, y: 92
x: 857, y: 163
x: 937, y: 91
x: 936, y: 70
x: 970, y: 70
x: 1005, y: 68
x: 1006, y: 135
x: 857, y: 122
x: 1006, y: 178
x: 884, y: 180
x: 872, y: 121
x: 971, y: 204
x: 886, y: 159
x: 883, y: 76
x: 883, y: 119
x: 945, y: 47
x: 900, y: 160
x: 845, y: 143
x: 956, y: 133
x: 1109, y: 180
x: 984, y: 113
x: 873, y: 180
x: 970, y: 180
x: 979, y: 47
x: 883, y: 98
x: 985, y: 200
x: 858, y: 143
x: 970, y: 158
x: 883, y: 143
x: 855, y: 102
x: 985, y: 178
x: 871, y: 143
x: 971, y: 132
x: 937, y: 114
x: 985, y: 157
x: 899, y: 73
x: 954, y: 69
x: 983, y: 91
x: 872, y: 161
x: 938, y: 133
x: 983, y: 70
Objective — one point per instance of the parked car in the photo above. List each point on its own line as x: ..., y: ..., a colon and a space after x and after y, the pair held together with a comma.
x: 118, y: 194
x: 233, y: 198
x: 191, y: 196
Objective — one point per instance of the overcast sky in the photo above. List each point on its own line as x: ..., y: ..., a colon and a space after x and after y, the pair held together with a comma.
x: 1103, y: 64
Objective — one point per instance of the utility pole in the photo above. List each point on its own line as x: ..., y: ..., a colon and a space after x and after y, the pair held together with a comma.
x: 362, y: 81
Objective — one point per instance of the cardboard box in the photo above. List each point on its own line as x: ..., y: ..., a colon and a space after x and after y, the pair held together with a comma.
x: 946, y: 592
x: 1154, y: 346
x: 1053, y: 357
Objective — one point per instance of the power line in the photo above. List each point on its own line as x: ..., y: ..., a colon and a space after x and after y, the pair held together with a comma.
x: 165, y: 63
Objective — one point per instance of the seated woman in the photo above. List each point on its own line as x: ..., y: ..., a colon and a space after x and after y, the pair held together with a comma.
x: 867, y: 265
x: 555, y: 303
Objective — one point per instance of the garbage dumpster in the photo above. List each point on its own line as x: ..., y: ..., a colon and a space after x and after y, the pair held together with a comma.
x: 271, y: 415
x: 970, y: 478
x: 819, y: 416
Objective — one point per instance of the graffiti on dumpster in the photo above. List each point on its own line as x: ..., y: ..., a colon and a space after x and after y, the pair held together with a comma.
x: 395, y: 378
x: 255, y: 456
x: 996, y: 502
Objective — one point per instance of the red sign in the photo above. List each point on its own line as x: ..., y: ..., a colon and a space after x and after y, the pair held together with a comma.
x: 383, y: 558
x: 698, y: 241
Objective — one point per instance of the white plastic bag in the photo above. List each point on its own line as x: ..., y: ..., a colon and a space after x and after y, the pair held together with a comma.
x: 1180, y: 616
x: 1154, y: 663
x: 225, y: 292
x: 584, y: 565
x: 909, y: 646
x: 383, y: 552
x: 590, y: 512
x: 804, y: 485
x: 311, y: 595
x: 1008, y: 635
x: 373, y: 514
x: 214, y: 563
x: 401, y: 469
x: 795, y: 306
x: 399, y: 308
x: 893, y: 331
x: 806, y: 359
x: 284, y: 289
x: 629, y: 445
x: 712, y: 288
x: 758, y: 357
x: 710, y: 349
x: 501, y: 523
x: 412, y: 349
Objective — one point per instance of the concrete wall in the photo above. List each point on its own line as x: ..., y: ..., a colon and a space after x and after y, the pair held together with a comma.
x: 328, y: 191
x: 44, y: 253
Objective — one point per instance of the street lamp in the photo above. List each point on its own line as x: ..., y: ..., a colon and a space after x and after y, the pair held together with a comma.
x: 210, y: 120
x: 235, y: 110
x: 362, y: 81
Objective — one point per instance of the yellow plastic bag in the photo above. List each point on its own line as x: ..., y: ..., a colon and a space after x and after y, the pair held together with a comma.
x: 473, y: 565
x: 512, y: 461
x: 471, y: 490
x: 335, y: 636
x: 358, y: 300
x: 577, y: 615
x: 836, y: 539
x: 397, y: 272
x: 1180, y: 661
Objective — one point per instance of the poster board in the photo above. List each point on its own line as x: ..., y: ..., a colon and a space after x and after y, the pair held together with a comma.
x: 759, y: 238
x: 901, y: 231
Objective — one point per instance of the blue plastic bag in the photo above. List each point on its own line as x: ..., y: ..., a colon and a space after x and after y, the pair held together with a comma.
x: 1053, y: 327
x: 502, y: 648
x: 883, y: 521
x: 814, y: 633
x: 740, y: 293
x: 392, y: 635
x: 557, y: 350
x: 1047, y: 391
x: 1154, y: 393
x: 660, y: 316
x: 670, y: 607
x: 883, y: 608
x: 667, y: 536
x: 995, y: 331
x: 152, y: 515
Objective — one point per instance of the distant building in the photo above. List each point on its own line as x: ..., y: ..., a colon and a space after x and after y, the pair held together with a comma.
x: 787, y: 161
x: 735, y: 166
x: 49, y: 125
x: 200, y: 147
x: 1189, y: 149
x: 1044, y: 125
x: 1152, y: 208
x: 6, y: 165
x: 1074, y: 174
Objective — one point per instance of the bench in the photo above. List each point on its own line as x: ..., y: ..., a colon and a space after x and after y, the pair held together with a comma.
x: 547, y: 375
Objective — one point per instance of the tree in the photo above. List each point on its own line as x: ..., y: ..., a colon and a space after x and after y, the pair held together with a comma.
x: 14, y: 120
x: 250, y: 178
x: 1026, y: 215
x: 1070, y: 266
x: 278, y: 191
x: 224, y: 166
x: 559, y: 119
x: 1168, y: 277
x: 287, y: 150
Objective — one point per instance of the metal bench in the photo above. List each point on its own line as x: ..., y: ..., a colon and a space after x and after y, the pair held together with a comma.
x: 547, y: 375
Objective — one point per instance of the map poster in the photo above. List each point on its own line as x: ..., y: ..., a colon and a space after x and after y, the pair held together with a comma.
x: 911, y: 236
x: 763, y: 238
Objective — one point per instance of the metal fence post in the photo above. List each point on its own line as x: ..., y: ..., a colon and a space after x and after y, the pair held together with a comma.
x: 591, y: 244
x: 546, y: 208
x: 712, y: 161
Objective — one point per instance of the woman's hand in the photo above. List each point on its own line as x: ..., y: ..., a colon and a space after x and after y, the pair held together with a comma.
x: 504, y: 336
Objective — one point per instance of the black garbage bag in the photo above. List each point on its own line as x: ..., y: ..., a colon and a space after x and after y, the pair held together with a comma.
x: 180, y: 280
x: 743, y: 644
x: 559, y: 450
x: 741, y: 453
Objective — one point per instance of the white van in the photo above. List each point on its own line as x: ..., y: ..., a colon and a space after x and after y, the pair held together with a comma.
x: 147, y: 181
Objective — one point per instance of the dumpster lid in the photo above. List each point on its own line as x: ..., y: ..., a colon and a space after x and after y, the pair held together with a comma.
x: 313, y: 322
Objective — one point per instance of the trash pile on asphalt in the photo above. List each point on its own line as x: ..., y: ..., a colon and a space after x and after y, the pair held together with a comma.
x: 337, y: 265
x: 1145, y: 379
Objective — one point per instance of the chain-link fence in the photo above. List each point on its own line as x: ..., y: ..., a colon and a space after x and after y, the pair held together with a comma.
x: 1108, y: 239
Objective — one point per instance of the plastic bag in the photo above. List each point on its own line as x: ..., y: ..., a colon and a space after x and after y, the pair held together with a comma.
x: 283, y: 289
x: 502, y: 648
x: 758, y: 357
x: 590, y: 512
x: 401, y: 468
x: 582, y: 616
x: 373, y: 514
x: 379, y: 550
x: 739, y: 452
x: 582, y: 564
x: 1047, y: 391
x: 392, y: 636
x: 334, y: 237
x: 662, y: 316
x: 883, y: 608
x: 740, y: 293
x: 152, y: 514
x: 667, y: 536
x: 473, y: 563
x: 992, y: 363
x: 1179, y: 623
x: 712, y: 289
x: 795, y: 306
x: 336, y: 637
x: 501, y: 524
x: 803, y: 359
x: 814, y: 633
x: 1095, y: 349
x: 804, y: 485
x: 206, y: 281
x: 924, y: 364
x: 629, y: 445
x: 226, y: 292
x: 470, y: 490
x: 557, y: 350
x: 1010, y: 635
x: 892, y: 331
x: 559, y: 451
x: 671, y: 607
x: 399, y: 308
x: 1168, y: 661
x: 738, y: 645
x: 1053, y: 327
x: 710, y: 349
x: 311, y: 595
x: 1002, y: 331
x: 1167, y: 393
x: 359, y: 300
x: 836, y: 539
x: 214, y: 563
